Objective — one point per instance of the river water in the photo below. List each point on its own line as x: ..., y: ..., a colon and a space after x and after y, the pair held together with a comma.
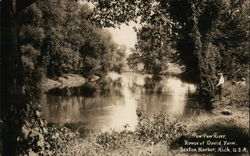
x: 115, y: 105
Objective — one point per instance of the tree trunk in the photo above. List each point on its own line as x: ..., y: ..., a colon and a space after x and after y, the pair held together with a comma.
x: 13, y: 99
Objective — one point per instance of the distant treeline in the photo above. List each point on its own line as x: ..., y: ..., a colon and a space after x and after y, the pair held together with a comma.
x: 57, y: 37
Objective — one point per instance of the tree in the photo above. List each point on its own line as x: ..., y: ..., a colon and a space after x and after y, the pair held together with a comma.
x: 154, y: 47
x: 153, y: 50
x: 70, y: 44
x: 202, y: 31
x: 13, y: 99
x: 211, y: 30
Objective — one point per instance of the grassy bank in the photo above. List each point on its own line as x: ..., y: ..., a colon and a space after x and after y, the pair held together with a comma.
x: 152, y: 139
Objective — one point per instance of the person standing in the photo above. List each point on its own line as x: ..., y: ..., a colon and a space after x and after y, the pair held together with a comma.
x: 220, y: 85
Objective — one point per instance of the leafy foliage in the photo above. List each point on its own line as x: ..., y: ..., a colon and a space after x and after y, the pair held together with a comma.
x: 160, y: 128
x: 237, y: 93
x: 66, y: 40
x: 153, y: 50
x: 203, y: 32
x: 149, y: 131
x: 210, y: 30
x: 44, y: 138
x: 114, y: 140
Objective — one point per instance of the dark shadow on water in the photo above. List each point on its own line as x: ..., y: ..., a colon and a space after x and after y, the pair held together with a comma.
x: 153, y: 85
x: 105, y: 88
x: 86, y: 90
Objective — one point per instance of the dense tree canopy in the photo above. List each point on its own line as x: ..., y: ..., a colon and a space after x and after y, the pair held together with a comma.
x: 212, y: 32
x: 153, y: 50
x: 58, y: 38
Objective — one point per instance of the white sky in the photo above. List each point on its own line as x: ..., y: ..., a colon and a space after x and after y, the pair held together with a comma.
x: 125, y: 35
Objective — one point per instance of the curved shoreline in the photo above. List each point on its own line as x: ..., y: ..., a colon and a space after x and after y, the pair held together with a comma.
x: 67, y: 80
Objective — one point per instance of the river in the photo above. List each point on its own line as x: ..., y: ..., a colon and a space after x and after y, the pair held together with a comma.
x: 115, y: 105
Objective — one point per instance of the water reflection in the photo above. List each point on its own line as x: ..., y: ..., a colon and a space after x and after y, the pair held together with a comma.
x: 114, y: 103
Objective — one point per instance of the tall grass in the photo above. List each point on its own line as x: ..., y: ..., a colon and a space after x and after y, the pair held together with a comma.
x: 237, y: 95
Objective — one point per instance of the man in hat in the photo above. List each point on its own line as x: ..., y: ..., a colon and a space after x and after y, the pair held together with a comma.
x: 220, y: 85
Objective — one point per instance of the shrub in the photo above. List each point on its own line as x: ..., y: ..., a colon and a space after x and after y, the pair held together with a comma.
x: 238, y: 95
x: 160, y: 128
x: 114, y: 140
x: 149, y: 131
x: 43, y: 139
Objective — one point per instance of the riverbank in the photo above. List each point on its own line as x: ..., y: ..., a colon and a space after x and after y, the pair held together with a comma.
x: 235, y: 98
x: 162, y: 135
x: 151, y: 139
x: 159, y: 136
x: 66, y: 80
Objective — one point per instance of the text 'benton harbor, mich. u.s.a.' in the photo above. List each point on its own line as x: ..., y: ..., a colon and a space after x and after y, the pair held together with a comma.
x: 211, y: 143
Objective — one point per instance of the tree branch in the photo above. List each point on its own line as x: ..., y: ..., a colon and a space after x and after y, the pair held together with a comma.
x: 22, y: 4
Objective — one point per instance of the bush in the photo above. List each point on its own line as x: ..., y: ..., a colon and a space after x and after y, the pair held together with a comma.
x: 43, y: 139
x: 238, y: 95
x: 148, y: 131
x: 158, y: 129
x: 114, y: 140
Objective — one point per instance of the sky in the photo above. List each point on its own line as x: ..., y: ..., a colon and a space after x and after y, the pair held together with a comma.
x: 125, y: 35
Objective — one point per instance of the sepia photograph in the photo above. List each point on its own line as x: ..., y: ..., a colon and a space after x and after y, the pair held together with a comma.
x: 124, y: 78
